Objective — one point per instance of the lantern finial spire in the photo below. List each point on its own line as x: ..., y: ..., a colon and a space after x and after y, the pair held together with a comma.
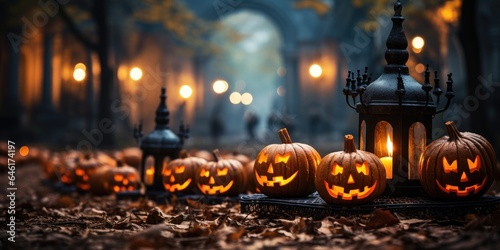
x: 162, y: 114
x: 396, y: 54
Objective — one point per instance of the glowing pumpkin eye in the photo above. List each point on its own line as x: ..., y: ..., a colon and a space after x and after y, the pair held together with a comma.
x: 179, y: 169
x: 337, y: 169
x: 167, y: 172
x: 447, y: 167
x: 474, y: 165
x: 204, y: 173
x: 282, y: 158
x: 118, y: 177
x: 221, y: 172
x: 262, y: 158
x: 361, y: 168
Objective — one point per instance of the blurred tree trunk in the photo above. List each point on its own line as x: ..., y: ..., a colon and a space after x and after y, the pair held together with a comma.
x: 99, y: 12
x: 467, y: 33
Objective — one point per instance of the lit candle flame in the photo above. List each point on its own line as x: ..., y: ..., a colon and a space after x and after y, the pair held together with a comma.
x: 389, y: 146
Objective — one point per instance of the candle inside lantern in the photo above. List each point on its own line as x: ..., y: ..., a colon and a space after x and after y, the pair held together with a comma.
x: 387, y: 161
x: 150, y: 173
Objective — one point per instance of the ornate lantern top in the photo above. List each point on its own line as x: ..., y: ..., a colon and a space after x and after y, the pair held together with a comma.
x: 395, y: 87
x: 162, y: 137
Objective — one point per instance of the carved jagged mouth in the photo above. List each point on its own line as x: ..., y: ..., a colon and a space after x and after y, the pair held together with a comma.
x: 462, y: 192
x: 337, y: 191
x: 177, y: 186
x: 262, y: 180
x: 207, y: 189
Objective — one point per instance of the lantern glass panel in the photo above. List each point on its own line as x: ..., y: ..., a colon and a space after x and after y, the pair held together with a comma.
x: 416, y: 146
x: 362, y: 136
x: 383, y: 139
x: 149, y: 172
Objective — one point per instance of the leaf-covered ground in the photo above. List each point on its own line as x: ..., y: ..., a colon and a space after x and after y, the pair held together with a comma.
x: 49, y: 220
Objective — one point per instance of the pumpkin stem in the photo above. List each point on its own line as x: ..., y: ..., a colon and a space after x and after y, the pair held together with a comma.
x: 284, y: 136
x: 217, y: 155
x: 452, y: 130
x: 349, y: 146
x: 183, y: 154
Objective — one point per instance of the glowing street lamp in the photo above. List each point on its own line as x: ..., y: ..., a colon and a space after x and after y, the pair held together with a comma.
x: 315, y: 70
x: 79, y: 74
x: 246, y: 98
x: 417, y: 43
x: 136, y: 73
x: 185, y: 91
x: 235, y: 98
x: 220, y: 86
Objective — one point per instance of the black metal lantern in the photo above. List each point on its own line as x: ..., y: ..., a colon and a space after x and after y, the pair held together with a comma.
x: 395, y: 112
x: 159, y: 147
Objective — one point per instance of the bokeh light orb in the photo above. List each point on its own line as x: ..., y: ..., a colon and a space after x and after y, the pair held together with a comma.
x: 136, y: 73
x: 185, y: 91
x: 220, y: 86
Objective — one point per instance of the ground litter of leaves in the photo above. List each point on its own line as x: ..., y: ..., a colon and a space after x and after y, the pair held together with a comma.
x: 46, y: 219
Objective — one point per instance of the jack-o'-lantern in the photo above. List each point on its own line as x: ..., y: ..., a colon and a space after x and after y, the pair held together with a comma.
x: 287, y: 169
x: 222, y: 177
x: 85, y: 167
x: 51, y: 166
x: 66, y: 170
x: 179, y: 174
x: 351, y: 176
x: 109, y: 179
x: 458, y: 166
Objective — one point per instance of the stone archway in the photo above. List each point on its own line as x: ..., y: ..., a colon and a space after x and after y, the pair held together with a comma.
x: 280, y: 16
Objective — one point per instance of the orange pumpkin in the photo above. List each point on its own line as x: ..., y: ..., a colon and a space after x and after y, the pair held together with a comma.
x: 461, y: 165
x: 223, y: 177
x: 179, y: 174
x: 350, y: 176
x: 252, y: 184
x: 84, y: 169
x: 287, y: 169
x: 110, y: 179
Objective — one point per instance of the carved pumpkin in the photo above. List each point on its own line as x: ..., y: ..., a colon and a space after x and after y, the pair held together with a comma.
x: 458, y: 166
x: 179, y: 174
x: 350, y: 176
x: 287, y: 169
x: 223, y: 177
x: 109, y: 179
x: 85, y: 167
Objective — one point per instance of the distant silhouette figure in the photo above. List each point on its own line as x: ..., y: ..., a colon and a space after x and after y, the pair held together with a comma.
x: 216, y: 128
x: 251, y: 121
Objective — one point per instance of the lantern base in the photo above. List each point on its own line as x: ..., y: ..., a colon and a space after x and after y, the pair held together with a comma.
x: 314, y: 206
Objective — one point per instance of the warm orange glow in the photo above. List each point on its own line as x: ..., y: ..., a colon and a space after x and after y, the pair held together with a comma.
x: 282, y: 158
x: 262, y: 158
x: 81, y: 66
x: 337, y: 169
x: 220, y: 86
x: 362, y: 168
x: 418, y: 42
x: 447, y: 167
x: 222, y: 172
x: 450, y: 11
x: 136, y: 73
x: 24, y: 150
x: 474, y: 165
x: 315, y: 70
x: 387, y: 161
x: 338, y: 192
x: 263, y: 181
x: 150, y: 172
x: 420, y: 68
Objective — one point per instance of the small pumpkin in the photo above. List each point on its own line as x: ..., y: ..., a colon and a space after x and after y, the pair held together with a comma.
x: 132, y: 156
x: 458, y: 166
x: 179, y: 174
x: 237, y: 156
x: 66, y: 170
x: 251, y: 183
x: 351, y: 176
x: 287, y: 169
x: 109, y: 179
x: 84, y: 169
x: 222, y: 177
